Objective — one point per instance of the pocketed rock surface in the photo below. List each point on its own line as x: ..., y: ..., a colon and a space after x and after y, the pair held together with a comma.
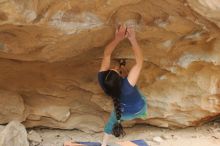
x: 50, y: 53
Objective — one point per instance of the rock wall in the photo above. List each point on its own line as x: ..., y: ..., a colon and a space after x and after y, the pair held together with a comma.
x: 50, y: 53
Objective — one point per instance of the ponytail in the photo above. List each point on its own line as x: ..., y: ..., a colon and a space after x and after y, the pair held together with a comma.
x: 117, y: 130
x: 113, y: 85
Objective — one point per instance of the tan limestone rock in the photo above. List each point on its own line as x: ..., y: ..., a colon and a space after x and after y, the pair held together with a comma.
x: 50, y: 53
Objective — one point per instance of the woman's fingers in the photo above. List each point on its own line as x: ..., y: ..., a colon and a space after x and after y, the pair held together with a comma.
x: 122, y: 28
x: 130, y: 29
x: 125, y: 32
x: 120, y: 32
x: 119, y: 26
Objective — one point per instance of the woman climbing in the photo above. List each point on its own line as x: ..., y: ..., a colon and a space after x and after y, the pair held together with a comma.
x: 128, y: 101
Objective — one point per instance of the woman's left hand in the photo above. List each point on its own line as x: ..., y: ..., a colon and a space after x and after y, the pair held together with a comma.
x: 120, y: 33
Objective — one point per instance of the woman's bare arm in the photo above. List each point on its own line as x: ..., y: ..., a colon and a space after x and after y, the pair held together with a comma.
x: 106, y: 61
x: 136, y: 69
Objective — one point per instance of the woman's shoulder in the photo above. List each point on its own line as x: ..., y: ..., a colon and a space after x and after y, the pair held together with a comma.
x: 102, y: 74
x: 126, y: 86
x: 102, y: 71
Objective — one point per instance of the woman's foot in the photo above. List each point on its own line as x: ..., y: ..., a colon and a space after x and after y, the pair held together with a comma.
x: 126, y: 143
x: 71, y: 143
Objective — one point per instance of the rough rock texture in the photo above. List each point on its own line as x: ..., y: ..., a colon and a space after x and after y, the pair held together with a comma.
x: 34, y: 138
x: 9, y: 106
x: 14, y: 134
x: 50, y: 52
x: 207, y: 8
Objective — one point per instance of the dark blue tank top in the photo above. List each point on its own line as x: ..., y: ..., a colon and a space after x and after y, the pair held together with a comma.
x: 130, y: 98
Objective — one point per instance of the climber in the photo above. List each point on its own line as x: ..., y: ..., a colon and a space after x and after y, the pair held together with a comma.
x: 129, y: 102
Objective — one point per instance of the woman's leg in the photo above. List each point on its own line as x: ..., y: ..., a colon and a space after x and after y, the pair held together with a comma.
x: 111, y: 122
x: 108, y: 128
x: 105, y: 139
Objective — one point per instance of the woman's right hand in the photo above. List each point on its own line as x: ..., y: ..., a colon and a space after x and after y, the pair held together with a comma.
x: 130, y: 34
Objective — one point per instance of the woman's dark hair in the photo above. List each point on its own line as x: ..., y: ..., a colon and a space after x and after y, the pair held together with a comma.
x: 113, y: 88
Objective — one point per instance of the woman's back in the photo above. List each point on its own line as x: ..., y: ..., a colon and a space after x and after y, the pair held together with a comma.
x: 131, y: 99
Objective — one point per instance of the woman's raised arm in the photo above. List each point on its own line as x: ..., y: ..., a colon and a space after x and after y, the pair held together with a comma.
x: 119, y: 36
x: 136, y: 69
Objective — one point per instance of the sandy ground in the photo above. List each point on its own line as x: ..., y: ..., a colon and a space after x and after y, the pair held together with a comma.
x: 206, y: 135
